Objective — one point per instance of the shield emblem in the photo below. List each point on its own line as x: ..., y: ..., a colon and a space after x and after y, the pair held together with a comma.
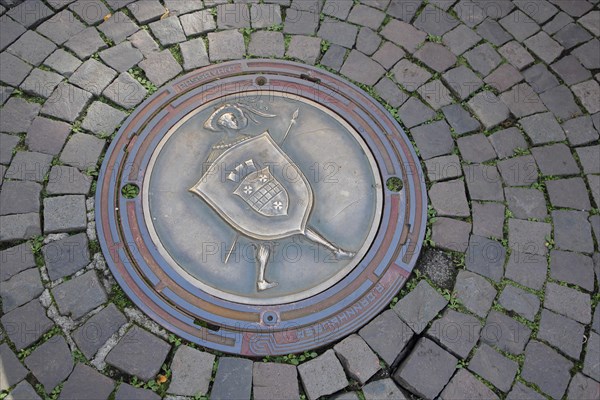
x: 264, y: 193
x: 272, y: 201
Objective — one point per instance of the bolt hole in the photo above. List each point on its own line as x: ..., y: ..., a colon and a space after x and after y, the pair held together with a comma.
x: 270, y: 318
x: 261, y: 81
x: 130, y: 191
x: 395, y: 184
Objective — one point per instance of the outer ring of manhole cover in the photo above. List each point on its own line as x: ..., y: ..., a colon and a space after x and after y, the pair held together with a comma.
x: 255, y: 325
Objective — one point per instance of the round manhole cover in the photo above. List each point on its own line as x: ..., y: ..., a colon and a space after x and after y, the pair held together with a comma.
x: 261, y: 207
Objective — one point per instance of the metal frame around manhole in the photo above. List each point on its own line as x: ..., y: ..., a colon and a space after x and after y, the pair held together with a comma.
x: 246, y: 329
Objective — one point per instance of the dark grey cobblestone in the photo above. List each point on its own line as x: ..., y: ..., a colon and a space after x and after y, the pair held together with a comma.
x: 451, y: 234
x: 582, y: 387
x: 505, y: 333
x: 358, y: 359
x: 568, y: 302
x: 522, y: 392
x: 20, y: 197
x: 529, y: 270
x: 322, y: 376
x: 387, y: 335
x: 85, y: 383
x: 494, y: 367
x: 592, y: 352
x: 51, y: 363
x: 32, y: 47
x: 420, y: 306
x: 465, y: 385
x: 383, y: 389
x: 547, y: 369
x: 121, y: 57
x: 126, y: 91
x: 572, y: 231
x: 61, y: 27
x: 474, y: 292
x: 20, y: 289
x: 86, y: 43
x: 30, y: 322
x: 304, y: 48
x: 98, y: 329
x: 29, y: 166
x: 561, y: 332
x: 13, y: 371
x: 79, y: 295
x: 192, y: 370
x: 456, y: 332
x: 118, y: 27
x: 519, y: 301
x: 17, y: 115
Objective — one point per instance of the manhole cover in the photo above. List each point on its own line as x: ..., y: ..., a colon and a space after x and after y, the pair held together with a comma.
x: 261, y: 207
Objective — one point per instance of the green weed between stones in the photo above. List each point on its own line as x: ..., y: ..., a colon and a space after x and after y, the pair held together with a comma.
x: 293, y: 359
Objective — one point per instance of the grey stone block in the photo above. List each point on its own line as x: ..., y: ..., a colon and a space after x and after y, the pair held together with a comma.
x: 516, y: 54
x: 561, y: 332
x: 413, y: 112
x: 527, y: 269
x: 568, y: 193
x: 10, y: 30
x: 388, y: 55
x: 118, y: 27
x: 62, y: 62
x: 161, y: 67
x: 483, y: 182
x: 275, y: 381
x: 93, y: 76
x: 266, y: 44
x: 403, y: 34
x: 483, y: 58
x: 582, y: 387
x: 66, y: 256
x: 451, y: 234
x: 32, y: 47
x: 449, y: 199
x: 555, y: 160
x: 433, y: 139
x: 434, y: 22
x: 61, y: 27
x: 91, y: 12
x: 542, y: 128
x: 67, y: 102
x: 67, y: 180
x: 474, y: 292
x: 387, y: 335
x: 233, y: 379
x: 29, y: 166
x: 485, y: 257
x: 460, y: 39
x: 589, y: 160
x: 300, y: 22
x: 462, y: 81
x: 102, y: 119
x: 592, y: 352
x: 572, y: 231
x: 436, y: 57
x: 436, y: 94
x: 128, y: 392
x: 519, y: 171
x: 572, y: 35
x: 339, y: 9
x: 19, y: 227
x: 168, y: 31
x: 387, y: 89
x: 570, y: 70
x: 383, y: 389
x: 568, y: 302
x: 19, y: 197
x: 456, y: 332
x: 192, y: 372
x: 304, y: 48
x: 41, y: 83
x: 420, y: 306
x: 80, y: 295
x: 16, y: 259
x: 86, y: 43
x: 322, y: 376
x: 489, y: 109
x: 519, y: 301
x: 460, y: 120
x: 476, y: 148
x: 522, y: 392
x: 464, y: 385
x: 265, y: 15
x: 588, y: 93
x: 194, y: 54
x: 122, y: 57
x: 144, y: 42
x: 426, y: 370
x: 560, y: 102
x: 20, y: 289
x: 494, y: 367
x: 580, y: 131
x: 64, y: 214
x: 519, y: 25
x: 505, y: 333
x: 146, y: 11
x: 85, y: 383
x: 17, y: 115
x: 12, y: 370
x: 366, y: 16
x: 338, y: 32
x: 488, y: 220
x: 26, y: 324
x: 491, y: 31
x: 126, y: 91
x: 547, y: 369
x: 544, y: 47
x: 198, y: 23
x: 410, y: 75
x: 362, y: 69
x: 443, y: 167
x: 98, y: 329
x: 358, y: 359
x: 51, y: 363
x: 367, y: 41
x: 528, y: 236
x: 7, y: 145
x: 540, y: 78
x: 521, y: 99
x: 131, y: 354
x: 588, y: 54
x: 82, y: 151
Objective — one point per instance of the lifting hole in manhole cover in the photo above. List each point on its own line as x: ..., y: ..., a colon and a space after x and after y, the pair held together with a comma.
x: 265, y: 207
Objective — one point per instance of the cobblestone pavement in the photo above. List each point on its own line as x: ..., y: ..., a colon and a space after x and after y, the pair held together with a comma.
x: 501, y: 99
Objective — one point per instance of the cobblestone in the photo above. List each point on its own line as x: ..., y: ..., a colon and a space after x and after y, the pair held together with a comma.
x: 192, y: 371
x: 527, y: 269
x: 20, y: 289
x: 465, y: 385
x: 30, y: 321
x: 274, y: 381
x: 387, y: 335
x: 420, y: 306
x: 460, y: 120
x: 85, y: 383
x: 17, y: 115
x: 322, y: 376
x: 568, y: 302
x: 456, y: 332
x: 32, y: 47
x: 13, y: 370
x: 494, y: 367
x: 51, y: 363
x: 547, y: 369
x: 80, y: 295
x: 519, y: 301
x: 98, y: 329
x: 562, y: 333
x: 505, y: 333
x: 572, y: 231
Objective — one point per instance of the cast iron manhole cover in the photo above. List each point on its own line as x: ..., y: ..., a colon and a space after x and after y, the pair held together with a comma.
x: 261, y: 207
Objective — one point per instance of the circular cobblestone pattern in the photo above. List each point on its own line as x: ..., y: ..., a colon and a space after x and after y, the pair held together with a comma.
x: 501, y: 100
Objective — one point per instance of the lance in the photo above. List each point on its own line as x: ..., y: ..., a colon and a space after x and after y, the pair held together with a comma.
x: 292, y: 123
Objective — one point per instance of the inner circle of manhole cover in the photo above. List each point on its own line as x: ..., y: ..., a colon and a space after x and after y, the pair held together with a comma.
x: 260, y: 207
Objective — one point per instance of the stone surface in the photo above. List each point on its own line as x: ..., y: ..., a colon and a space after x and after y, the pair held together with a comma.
x: 266, y: 44
x: 464, y: 385
x: 265, y: 15
x: 588, y: 94
x: 64, y: 214
x: 435, y: 56
x: 426, y: 370
x: 474, y: 292
x: 90, y: 11
x: 589, y: 160
x: 7, y: 145
x: 503, y: 78
x: 505, y: 333
x: 494, y: 367
x: 519, y: 25
x: 322, y: 376
x: 546, y: 368
x: 383, y: 389
x: 80, y: 295
x: 20, y: 197
x: 168, y: 31
x: 568, y: 302
x: 403, y: 34
x: 86, y: 43
x: 460, y: 120
x: 485, y: 257
x: 26, y: 324
x: 588, y: 54
x: 29, y: 166
x: 17, y: 115
x: 456, y: 332
x: 358, y: 359
x: 32, y: 47
x: 20, y: 289
x: 192, y: 371
x: 572, y: 231
x: 142, y: 41
x: 47, y: 136
x: 98, y: 329
x: 66, y: 256
x: 460, y: 39
x: 568, y: 193
x: 304, y: 48
x: 273, y: 381
x: 413, y: 112
x: 451, y: 234
x: 102, y: 119
x: 160, y: 67
x: 489, y: 109
x: 10, y: 30
x: 67, y: 102
x: 519, y: 301
x: 19, y: 227
x: 82, y: 151
x: 390, y: 92
x: 580, y: 131
x: 420, y: 306
x: 51, y: 363
x: 444, y: 167
x: 410, y: 75
x: 225, y: 45
x: 336, y: 32
x: 131, y: 356
x: 387, y: 335
x: 367, y: 41
x: 85, y: 383
x: 41, y: 83
x: 528, y: 236
x: 516, y: 54
x: 300, y: 22
x: 118, y: 27
x: 63, y: 62
x: 362, y: 69
x: 570, y: 70
x: 561, y: 332
x: 433, y: 139
x: 519, y: 171
x: 194, y: 54
x: 449, y: 199
x: 488, y: 219
x: 436, y: 94
x: 126, y: 91
x: 146, y: 11
x: 16, y: 259
x: 128, y: 392
x: 67, y: 180
x: 560, y: 102
x: 483, y: 58
x: 582, y: 387
x: 555, y: 160
x: 544, y: 47
x: 476, y: 148
x: 121, y: 57
x: 12, y: 370
x: 522, y: 392
x: 527, y: 269
x: 483, y: 182
x: 592, y: 353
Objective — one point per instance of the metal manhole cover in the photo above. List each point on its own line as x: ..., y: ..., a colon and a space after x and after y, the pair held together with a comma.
x: 261, y: 207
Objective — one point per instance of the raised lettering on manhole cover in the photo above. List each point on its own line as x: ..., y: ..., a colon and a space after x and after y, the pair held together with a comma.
x: 261, y: 207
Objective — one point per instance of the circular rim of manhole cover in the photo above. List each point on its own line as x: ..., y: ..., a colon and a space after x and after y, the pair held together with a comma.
x: 257, y: 325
